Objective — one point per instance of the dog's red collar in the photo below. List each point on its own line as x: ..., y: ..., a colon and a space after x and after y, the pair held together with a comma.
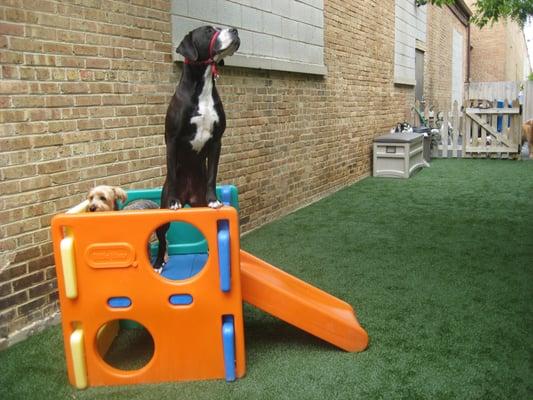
x: 210, y: 60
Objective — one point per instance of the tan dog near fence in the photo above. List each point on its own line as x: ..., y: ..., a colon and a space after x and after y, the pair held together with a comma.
x: 527, y: 134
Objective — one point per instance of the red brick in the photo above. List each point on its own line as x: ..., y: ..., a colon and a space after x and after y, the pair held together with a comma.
x: 15, y: 143
x: 14, y: 87
x: 98, y: 63
x: 40, y: 32
x: 42, y: 74
x: 57, y: 48
x: 55, y: 21
x: 11, y: 29
x: 41, y: 263
x: 90, y: 124
x: 51, y: 167
x: 59, y: 101
x: 25, y: 255
x: 71, y: 36
x: 46, y: 140
x: 40, y: 5
x: 72, y: 62
x: 49, y: 88
x: 13, y: 300
x: 28, y: 101
x: 39, y: 59
x: 33, y: 305
x: 85, y: 50
x: 42, y: 289
x: 72, y: 88
x: 91, y: 100
x: 7, y: 116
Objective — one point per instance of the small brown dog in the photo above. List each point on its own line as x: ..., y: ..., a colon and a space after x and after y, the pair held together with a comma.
x: 527, y: 135
x: 105, y: 198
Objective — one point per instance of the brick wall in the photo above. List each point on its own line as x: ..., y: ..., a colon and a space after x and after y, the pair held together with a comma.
x: 498, y: 51
x: 516, y: 58
x: 84, y: 89
x: 488, y: 53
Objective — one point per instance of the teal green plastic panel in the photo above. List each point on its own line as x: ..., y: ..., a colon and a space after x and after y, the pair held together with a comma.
x: 184, y: 238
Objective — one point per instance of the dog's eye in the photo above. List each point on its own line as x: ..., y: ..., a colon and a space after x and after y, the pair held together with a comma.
x: 103, y: 198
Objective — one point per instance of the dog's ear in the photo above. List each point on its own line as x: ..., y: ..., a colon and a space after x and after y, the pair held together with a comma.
x: 120, y: 194
x: 187, y: 48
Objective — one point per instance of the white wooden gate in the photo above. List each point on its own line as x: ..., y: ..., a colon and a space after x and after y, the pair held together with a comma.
x: 491, y: 131
x: 527, y: 108
x: 480, y: 129
x: 510, y: 90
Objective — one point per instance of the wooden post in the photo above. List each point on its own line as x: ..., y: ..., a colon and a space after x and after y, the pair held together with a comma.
x: 494, y: 124
x: 455, y: 126
x: 516, y: 123
x: 506, y: 129
x: 468, y: 130
x: 444, y: 135
x: 474, y: 132
x: 417, y: 117
x: 484, y: 104
x: 463, y: 131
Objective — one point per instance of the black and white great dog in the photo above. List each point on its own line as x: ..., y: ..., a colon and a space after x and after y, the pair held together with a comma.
x: 194, y: 125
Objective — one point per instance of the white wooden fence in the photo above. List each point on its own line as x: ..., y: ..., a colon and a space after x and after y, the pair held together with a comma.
x: 527, y: 107
x: 480, y: 128
x: 521, y: 90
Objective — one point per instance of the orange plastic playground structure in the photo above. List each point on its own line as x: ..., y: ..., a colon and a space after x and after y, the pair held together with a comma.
x: 105, y: 275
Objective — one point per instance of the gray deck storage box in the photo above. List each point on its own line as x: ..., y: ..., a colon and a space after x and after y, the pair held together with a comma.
x: 398, y: 155
x: 427, y: 141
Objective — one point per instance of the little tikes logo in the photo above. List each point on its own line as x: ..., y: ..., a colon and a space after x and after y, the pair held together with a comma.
x: 110, y: 255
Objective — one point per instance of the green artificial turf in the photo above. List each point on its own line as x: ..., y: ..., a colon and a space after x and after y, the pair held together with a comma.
x: 438, y: 267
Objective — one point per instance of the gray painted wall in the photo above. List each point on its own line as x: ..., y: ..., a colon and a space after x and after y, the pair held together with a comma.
x: 286, y: 35
x: 410, y: 26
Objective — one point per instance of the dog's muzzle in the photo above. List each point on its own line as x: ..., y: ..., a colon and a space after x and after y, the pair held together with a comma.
x: 233, y: 46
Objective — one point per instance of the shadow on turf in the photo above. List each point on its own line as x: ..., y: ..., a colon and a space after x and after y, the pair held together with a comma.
x: 273, y: 333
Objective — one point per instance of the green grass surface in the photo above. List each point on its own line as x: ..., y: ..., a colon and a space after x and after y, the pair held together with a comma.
x: 438, y: 267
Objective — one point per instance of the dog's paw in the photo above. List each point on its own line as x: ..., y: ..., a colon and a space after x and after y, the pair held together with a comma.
x: 175, y: 205
x: 158, y: 270
x: 215, y: 204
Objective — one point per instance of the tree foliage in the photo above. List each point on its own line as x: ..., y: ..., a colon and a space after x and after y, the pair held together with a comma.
x: 490, y: 11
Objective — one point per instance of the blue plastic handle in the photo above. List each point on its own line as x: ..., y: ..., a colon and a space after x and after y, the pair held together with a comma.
x: 228, y: 343
x: 180, y: 299
x: 119, y: 302
x: 224, y: 256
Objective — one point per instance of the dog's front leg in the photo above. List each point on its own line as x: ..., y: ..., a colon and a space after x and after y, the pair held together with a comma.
x: 170, y: 190
x: 213, y: 156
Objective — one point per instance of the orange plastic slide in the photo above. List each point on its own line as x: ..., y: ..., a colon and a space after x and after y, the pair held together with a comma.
x: 300, y: 304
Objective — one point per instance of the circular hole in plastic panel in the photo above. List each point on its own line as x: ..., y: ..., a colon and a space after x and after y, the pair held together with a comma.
x: 187, y: 252
x: 125, y: 344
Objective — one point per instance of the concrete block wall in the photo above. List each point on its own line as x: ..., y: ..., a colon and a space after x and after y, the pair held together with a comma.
x: 410, y: 26
x: 84, y: 90
x: 280, y: 35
